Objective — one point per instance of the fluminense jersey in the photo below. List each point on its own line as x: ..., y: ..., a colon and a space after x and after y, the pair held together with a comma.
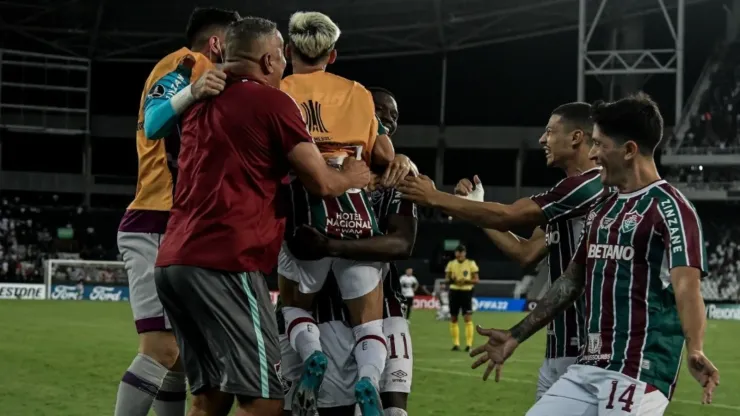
x: 328, y: 303
x: 408, y: 283
x: 150, y: 209
x: 565, y: 207
x: 631, y: 316
x: 340, y: 116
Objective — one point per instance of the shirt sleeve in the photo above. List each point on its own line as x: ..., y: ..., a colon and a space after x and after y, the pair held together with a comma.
x: 159, y: 114
x: 570, y: 197
x: 286, y: 120
x: 682, y: 233
x: 400, y: 206
x: 448, y: 269
x: 474, y: 267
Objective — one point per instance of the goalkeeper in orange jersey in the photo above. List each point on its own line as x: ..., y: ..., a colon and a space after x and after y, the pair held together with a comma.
x: 154, y: 376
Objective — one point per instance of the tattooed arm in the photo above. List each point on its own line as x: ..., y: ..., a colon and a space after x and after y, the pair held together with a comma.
x: 501, y: 344
x: 561, y: 295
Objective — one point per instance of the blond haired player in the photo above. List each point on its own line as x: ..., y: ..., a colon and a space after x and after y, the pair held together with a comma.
x: 167, y: 93
x: 340, y: 115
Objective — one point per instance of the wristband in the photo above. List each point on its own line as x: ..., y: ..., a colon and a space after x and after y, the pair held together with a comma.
x: 182, y: 100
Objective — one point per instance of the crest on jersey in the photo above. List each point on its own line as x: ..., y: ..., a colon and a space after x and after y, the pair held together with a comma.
x: 465, y: 273
x: 594, y: 343
x: 630, y: 222
x: 157, y: 91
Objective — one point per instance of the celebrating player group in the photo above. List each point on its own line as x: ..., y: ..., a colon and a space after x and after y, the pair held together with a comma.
x: 242, y: 171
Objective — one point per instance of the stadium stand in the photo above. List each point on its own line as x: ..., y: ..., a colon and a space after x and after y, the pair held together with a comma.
x: 37, y: 227
x: 714, y: 126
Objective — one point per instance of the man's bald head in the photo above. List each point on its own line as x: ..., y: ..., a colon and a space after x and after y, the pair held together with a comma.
x: 256, y: 42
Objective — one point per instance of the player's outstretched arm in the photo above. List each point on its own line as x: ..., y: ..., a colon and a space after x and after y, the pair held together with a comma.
x: 686, y: 282
x: 526, y: 252
x: 171, y: 96
x: 396, y: 244
x: 483, y: 214
x: 561, y: 295
x: 501, y: 344
x: 322, y: 180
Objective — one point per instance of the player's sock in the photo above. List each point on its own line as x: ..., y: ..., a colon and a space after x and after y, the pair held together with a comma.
x: 455, y: 332
x: 469, y: 332
x: 370, y: 350
x: 302, y: 331
x: 170, y: 400
x: 139, y: 386
x: 394, y: 411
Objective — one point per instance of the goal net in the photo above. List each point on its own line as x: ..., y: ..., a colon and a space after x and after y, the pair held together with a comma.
x: 74, y: 279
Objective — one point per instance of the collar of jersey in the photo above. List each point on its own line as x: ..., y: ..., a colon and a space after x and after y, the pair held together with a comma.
x: 642, y: 190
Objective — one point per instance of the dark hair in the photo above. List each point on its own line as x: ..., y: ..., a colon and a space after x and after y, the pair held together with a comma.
x: 576, y: 114
x: 381, y: 90
x: 461, y: 248
x: 634, y: 118
x: 204, y: 18
x: 242, y: 34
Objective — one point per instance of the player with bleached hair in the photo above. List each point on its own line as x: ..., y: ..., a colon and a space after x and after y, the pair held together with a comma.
x: 340, y: 116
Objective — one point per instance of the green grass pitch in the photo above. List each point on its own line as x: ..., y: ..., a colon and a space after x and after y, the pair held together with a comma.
x: 62, y: 358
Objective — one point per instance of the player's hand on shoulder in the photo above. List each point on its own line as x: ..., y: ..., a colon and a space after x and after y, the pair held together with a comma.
x: 358, y: 172
x: 211, y: 83
x: 399, y: 168
x: 308, y: 244
x: 705, y: 372
x: 495, y: 351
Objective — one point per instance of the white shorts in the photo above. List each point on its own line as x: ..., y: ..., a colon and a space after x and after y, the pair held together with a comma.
x: 355, y: 279
x: 338, y: 343
x: 550, y: 372
x: 139, y: 252
x: 398, y: 371
x: 586, y: 390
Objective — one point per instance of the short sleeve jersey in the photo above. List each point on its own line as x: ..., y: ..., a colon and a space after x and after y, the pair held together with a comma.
x: 227, y: 213
x: 156, y: 172
x: 462, y: 274
x: 565, y: 207
x: 631, y: 316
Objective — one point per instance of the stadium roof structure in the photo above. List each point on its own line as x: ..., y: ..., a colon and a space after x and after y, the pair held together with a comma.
x: 144, y: 30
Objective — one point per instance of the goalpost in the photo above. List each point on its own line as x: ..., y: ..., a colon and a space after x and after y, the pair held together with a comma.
x: 66, y: 273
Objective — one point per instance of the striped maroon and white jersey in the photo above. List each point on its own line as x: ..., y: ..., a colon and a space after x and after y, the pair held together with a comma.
x: 328, y: 302
x: 631, y: 316
x: 349, y: 216
x: 565, y: 207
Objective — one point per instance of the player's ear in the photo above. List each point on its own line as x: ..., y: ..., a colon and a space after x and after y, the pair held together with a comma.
x: 332, y: 56
x: 577, y: 137
x: 266, y: 64
x: 214, y: 45
x: 630, y: 149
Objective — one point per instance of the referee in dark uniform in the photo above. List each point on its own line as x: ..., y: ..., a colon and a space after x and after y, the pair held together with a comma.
x: 461, y: 275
